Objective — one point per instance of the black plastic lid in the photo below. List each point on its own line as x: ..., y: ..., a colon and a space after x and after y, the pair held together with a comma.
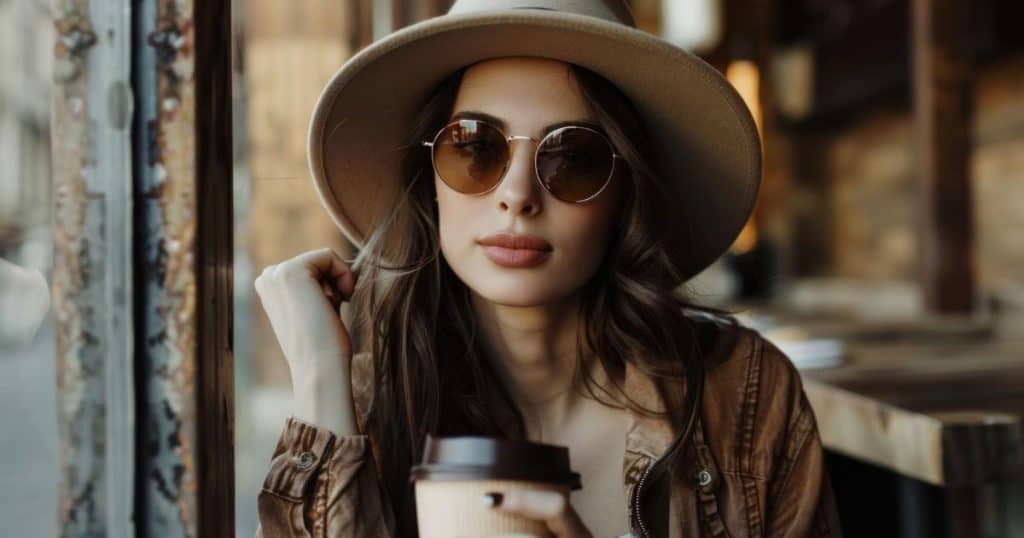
x: 491, y: 458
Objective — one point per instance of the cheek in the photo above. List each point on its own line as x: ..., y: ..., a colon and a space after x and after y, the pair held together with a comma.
x: 455, y: 226
x: 585, y: 238
x: 589, y: 230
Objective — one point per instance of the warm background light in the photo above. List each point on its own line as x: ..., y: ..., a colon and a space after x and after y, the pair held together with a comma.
x: 695, y: 25
x: 745, y: 77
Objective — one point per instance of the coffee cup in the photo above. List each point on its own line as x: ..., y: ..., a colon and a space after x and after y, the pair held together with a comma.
x: 456, y: 472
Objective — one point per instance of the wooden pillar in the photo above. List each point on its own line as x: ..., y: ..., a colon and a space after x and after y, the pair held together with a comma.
x: 214, y: 259
x: 360, y: 30
x: 813, y: 238
x: 406, y: 12
x: 943, y: 110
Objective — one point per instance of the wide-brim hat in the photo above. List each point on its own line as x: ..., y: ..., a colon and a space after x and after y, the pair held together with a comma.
x: 706, y: 144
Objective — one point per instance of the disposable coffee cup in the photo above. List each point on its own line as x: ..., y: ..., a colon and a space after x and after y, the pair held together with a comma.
x: 456, y: 472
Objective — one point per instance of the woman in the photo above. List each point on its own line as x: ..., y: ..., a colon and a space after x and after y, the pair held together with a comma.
x: 528, y: 290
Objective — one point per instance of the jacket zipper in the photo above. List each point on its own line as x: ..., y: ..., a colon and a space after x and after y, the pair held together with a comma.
x: 636, y: 503
x: 637, y: 515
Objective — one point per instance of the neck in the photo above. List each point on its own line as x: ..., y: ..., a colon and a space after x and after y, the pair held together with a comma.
x: 535, y: 350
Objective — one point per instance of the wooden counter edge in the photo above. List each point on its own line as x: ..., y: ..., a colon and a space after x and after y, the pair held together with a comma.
x: 936, y: 449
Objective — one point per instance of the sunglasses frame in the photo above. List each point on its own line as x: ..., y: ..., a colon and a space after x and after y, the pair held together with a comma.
x: 536, y: 153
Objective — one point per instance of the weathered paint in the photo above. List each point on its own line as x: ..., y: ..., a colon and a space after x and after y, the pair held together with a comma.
x: 93, y: 292
x: 166, y: 225
x: 130, y: 159
x: 77, y: 284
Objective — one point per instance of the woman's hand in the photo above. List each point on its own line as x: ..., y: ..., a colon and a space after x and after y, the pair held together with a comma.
x: 302, y: 296
x: 550, y: 507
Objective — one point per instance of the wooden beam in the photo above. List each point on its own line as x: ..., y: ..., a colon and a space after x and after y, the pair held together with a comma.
x: 360, y: 29
x: 407, y: 12
x: 214, y: 258
x: 812, y: 211
x: 401, y: 13
x: 943, y: 113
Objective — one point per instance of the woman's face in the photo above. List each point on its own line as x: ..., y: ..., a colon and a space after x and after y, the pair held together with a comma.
x: 528, y: 94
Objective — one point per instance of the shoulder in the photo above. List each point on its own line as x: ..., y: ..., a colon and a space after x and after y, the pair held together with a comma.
x: 739, y: 358
x: 754, y: 404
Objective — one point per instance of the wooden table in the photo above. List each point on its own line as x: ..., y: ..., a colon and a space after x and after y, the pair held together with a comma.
x: 943, y: 410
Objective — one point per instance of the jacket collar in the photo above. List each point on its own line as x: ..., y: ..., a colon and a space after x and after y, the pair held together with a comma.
x: 650, y: 436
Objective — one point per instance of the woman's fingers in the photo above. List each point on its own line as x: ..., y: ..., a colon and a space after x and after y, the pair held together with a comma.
x: 325, y: 264
x: 551, y: 507
x: 302, y: 297
x: 331, y: 294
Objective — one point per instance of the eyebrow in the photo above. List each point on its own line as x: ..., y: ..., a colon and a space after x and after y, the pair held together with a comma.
x: 483, y: 116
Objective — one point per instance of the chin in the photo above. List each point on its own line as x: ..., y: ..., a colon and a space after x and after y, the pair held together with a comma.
x: 520, y: 287
x: 516, y: 299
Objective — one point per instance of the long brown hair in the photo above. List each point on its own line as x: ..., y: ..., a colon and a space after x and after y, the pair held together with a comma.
x: 414, y: 315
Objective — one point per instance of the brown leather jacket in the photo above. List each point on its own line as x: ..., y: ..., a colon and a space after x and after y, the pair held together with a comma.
x: 757, y: 461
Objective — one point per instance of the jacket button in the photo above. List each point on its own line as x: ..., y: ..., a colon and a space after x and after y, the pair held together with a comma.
x: 703, y: 477
x: 305, y: 460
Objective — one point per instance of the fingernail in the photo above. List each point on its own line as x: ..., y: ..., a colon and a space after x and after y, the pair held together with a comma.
x: 493, y: 499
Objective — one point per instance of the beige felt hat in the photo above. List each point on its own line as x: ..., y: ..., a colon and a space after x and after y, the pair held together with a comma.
x: 706, y: 143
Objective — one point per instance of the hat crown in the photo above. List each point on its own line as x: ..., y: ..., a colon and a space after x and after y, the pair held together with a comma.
x: 610, y: 10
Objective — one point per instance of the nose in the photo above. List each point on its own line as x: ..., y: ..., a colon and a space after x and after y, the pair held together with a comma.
x: 518, y: 191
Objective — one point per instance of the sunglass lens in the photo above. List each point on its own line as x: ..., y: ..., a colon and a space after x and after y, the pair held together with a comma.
x: 575, y: 163
x: 470, y: 156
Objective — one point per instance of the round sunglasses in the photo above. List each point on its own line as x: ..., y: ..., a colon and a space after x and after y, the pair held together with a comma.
x: 574, y: 163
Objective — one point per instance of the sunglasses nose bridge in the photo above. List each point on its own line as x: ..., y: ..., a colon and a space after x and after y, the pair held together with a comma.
x: 510, y: 138
x: 531, y: 166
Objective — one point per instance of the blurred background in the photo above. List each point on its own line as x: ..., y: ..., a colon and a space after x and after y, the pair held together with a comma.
x: 885, y: 254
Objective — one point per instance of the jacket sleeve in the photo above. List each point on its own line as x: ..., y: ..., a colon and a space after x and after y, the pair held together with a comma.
x: 321, y: 484
x: 800, y: 497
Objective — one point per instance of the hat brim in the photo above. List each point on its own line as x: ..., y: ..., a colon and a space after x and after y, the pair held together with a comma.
x: 707, y: 145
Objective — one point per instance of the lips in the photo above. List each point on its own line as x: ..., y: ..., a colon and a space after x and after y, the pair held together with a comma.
x: 515, y: 250
x: 516, y: 241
